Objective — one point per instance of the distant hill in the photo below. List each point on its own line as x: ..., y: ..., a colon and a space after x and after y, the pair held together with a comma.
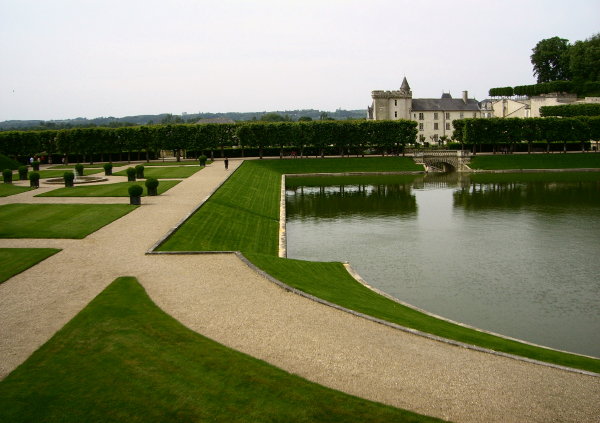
x: 293, y: 115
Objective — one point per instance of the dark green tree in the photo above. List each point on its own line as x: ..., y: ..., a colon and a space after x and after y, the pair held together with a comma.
x: 550, y: 60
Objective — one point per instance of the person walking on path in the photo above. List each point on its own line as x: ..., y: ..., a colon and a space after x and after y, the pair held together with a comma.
x: 226, y: 163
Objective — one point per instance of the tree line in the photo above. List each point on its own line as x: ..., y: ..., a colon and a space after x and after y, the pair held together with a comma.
x: 505, y: 132
x: 345, y: 137
x: 561, y: 67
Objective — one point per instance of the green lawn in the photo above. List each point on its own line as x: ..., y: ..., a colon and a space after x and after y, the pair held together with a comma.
x: 122, y: 359
x: 243, y: 215
x: 166, y: 172
x: 536, y: 161
x: 118, y: 189
x: 59, y: 173
x: 57, y: 220
x: 174, y: 163
x: 16, y: 260
x: 10, y: 189
x: 85, y: 165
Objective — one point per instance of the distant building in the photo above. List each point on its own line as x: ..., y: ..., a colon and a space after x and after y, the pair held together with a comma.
x: 433, y: 115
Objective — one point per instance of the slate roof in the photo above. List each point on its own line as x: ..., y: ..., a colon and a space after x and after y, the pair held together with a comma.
x: 444, y: 104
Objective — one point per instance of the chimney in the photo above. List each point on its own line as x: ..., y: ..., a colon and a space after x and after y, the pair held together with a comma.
x: 465, y: 96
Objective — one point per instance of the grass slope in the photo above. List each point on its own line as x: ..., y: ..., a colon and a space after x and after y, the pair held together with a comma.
x: 15, y: 260
x: 57, y: 220
x: 122, y: 359
x: 10, y: 189
x: 243, y: 215
x: 105, y: 190
x: 536, y: 161
x: 166, y: 172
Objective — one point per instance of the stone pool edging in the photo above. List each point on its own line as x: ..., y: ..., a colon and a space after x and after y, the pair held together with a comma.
x: 360, y: 280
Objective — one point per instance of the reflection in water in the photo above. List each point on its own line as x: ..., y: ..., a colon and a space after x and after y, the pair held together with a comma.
x: 348, y: 200
x: 515, y: 254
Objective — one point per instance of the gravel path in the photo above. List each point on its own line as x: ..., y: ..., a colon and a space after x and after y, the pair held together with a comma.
x: 222, y: 298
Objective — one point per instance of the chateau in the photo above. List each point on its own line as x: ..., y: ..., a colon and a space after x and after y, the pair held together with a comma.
x: 434, y: 115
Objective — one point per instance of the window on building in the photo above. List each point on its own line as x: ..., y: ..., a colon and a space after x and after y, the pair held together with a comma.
x: 435, y: 126
x: 448, y: 126
x: 395, y: 114
x: 447, y: 115
x: 395, y: 102
x: 414, y: 115
x: 474, y: 114
x: 462, y: 115
x: 420, y: 126
x: 421, y: 116
x: 435, y: 116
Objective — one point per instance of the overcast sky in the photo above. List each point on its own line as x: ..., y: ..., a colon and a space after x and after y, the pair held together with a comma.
x: 85, y: 58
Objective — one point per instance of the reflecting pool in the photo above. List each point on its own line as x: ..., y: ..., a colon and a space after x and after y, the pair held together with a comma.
x: 516, y: 254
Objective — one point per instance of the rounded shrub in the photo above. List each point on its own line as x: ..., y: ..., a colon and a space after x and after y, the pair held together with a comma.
x: 34, y: 179
x: 139, y: 171
x: 130, y: 174
x: 23, y: 173
x: 152, y: 186
x: 108, y: 169
x: 7, y: 176
x: 135, y: 190
x: 202, y: 159
x: 79, y: 169
x: 68, y: 177
x: 135, y: 194
x: 36, y: 165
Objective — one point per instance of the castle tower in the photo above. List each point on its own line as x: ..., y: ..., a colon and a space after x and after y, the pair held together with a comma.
x: 391, y: 105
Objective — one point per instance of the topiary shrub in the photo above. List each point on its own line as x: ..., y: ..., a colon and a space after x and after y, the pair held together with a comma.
x: 139, y: 171
x: 34, y: 179
x: 152, y: 186
x: 7, y: 175
x: 36, y: 165
x: 68, y: 177
x: 130, y: 174
x: 23, y: 173
x: 108, y: 169
x: 202, y: 160
x: 135, y: 194
x: 79, y: 169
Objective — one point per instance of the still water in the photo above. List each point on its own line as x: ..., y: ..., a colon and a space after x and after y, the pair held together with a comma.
x: 516, y: 254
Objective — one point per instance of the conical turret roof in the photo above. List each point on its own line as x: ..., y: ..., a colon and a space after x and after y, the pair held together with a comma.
x: 405, y: 86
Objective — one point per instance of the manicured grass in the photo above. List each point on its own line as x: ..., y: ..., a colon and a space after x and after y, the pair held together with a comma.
x: 122, y: 359
x: 57, y: 220
x: 10, y: 189
x: 536, y: 161
x: 243, y: 215
x: 174, y: 163
x: 166, y: 172
x: 105, y: 190
x: 85, y: 165
x: 59, y: 173
x: 16, y: 260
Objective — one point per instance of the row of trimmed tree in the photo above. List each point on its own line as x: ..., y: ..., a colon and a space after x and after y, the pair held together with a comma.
x: 505, y: 132
x: 105, y: 143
